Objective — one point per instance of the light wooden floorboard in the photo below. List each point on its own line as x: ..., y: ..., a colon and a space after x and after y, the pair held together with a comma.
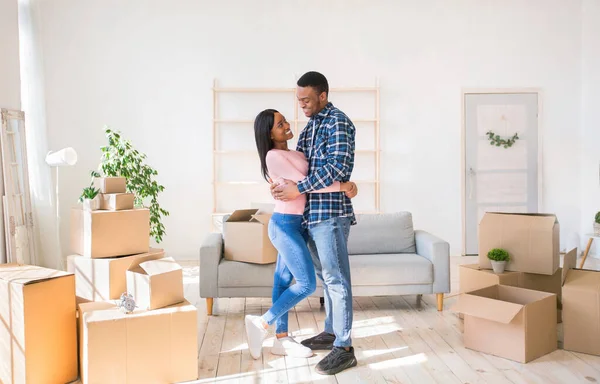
x: 397, y: 339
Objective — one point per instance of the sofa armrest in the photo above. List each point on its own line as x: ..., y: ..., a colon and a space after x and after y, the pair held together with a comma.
x: 211, y: 252
x: 437, y: 251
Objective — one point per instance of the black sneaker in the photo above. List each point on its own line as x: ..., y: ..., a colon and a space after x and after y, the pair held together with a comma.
x: 323, y: 340
x: 337, y: 360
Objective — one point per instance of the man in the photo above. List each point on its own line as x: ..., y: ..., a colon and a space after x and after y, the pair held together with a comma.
x: 328, y: 142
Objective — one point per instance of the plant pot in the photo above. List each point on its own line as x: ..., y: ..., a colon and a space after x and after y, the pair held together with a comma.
x: 91, y: 204
x: 597, y: 229
x: 498, y: 266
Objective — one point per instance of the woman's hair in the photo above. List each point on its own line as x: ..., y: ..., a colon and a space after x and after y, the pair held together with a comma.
x: 262, y: 134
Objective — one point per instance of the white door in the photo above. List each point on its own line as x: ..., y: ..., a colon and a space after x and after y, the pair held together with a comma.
x: 497, y: 178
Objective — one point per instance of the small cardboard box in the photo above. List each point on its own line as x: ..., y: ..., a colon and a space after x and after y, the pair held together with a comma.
x: 104, y: 279
x: 111, y: 184
x: 515, y: 323
x: 159, y: 346
x: 246, y: 238
x: 472, y: 277
x: 99, y: 234
x: 38, y: 329
x: 155, y: 283
x: 581, y: 307
x: 531, y: 239
x: 116, y: 201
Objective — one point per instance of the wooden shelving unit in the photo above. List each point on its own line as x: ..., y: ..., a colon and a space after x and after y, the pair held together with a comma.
x: 289, y: 95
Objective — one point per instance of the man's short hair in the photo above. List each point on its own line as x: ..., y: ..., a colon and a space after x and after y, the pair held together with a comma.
x: 315, y: 80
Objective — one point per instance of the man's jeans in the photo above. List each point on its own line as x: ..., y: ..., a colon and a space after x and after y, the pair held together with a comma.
x: 328, y: 244
x: 294, y: 260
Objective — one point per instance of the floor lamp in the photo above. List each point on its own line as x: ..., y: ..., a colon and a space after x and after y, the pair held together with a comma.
x: 66, y: 157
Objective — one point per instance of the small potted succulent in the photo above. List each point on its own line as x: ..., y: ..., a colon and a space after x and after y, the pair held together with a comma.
x: 499, y: 257
x: 90, y: 199
x: 597, y: 224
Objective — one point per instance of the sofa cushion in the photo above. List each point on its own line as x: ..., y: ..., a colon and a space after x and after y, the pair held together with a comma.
x: 238, y: 274
x: 390, y: 269
x: 382, y: 233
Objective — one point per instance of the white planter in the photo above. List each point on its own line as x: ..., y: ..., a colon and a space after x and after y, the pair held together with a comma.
x: 596, y: 229
x: 91, y: 204
x: 498, y: 266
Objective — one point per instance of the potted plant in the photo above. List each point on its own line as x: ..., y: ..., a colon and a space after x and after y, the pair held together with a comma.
x: 597, y: 224
x: 121, y: 159
x: 499, y: 257
x: 90, y: 199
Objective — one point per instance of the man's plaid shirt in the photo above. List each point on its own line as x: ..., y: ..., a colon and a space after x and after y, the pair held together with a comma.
x: 328, y: 142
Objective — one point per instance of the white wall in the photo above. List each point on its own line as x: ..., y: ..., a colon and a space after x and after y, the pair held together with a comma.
x: 10, y: 91
x: 590, y: 79
x: 146, y: 68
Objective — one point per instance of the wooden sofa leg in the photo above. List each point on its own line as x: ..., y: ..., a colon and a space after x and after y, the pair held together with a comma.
x: 209, y: 306
x: 440, y: 301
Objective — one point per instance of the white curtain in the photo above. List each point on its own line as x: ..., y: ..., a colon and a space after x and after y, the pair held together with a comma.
x: 33, y: 103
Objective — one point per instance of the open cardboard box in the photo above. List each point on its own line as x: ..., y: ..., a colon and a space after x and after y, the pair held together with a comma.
x: 38, y: 329
x: 531, y: 239
x: 155, y: 283
x: 472, y: 277
x: 515, y: 323
x: 246, y: 238
x: 581, y: 307
x: 104, y: 279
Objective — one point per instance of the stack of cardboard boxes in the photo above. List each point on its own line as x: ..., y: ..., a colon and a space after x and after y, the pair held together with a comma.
x: 157, y: 342
x: 515, y: 314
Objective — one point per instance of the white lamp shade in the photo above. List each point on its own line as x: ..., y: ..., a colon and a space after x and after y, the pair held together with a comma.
x: 64, y: 157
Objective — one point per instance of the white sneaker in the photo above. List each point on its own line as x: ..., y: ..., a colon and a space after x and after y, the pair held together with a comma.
x: 256, y: 334
x: 287, y: 346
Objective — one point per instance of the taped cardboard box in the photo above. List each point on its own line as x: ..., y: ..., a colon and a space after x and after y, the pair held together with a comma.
x: 531, y: 239
x: 510, y: 322
x: 38, y: 329
x: 246, y: 238
x: 159, y: 346
x: 155, y: 283
x: 111, y: 184
x: 104, y: 279
x: 472, y: 277
x: 116, y: 201
x: 581, y: 307
x: 99, y: 234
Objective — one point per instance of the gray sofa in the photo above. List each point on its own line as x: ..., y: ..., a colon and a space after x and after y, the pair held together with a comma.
x: 387, y: 258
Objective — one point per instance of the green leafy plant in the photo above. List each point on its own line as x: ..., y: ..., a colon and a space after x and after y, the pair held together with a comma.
x: 498, y: 141
x: 597, y: 218
x: 88, y: 193
x: 121, y: 159
x: 498, y: 254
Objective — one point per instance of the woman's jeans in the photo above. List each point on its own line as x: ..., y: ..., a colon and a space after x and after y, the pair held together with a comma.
x: 294, y: 261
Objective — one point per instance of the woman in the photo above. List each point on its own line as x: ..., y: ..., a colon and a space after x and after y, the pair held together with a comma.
x: 272, y: 132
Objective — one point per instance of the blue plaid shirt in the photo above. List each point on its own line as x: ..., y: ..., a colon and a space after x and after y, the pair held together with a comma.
x: 328, y: 142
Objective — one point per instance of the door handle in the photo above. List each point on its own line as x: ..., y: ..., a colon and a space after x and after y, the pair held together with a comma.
x: 471, y: 175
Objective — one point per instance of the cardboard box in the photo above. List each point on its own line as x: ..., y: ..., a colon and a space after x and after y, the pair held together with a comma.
x: 515, y: 323
x: 38, y: 329
x: 532, y: 240
x: 111, y: 184
x: 246, y: 238
x: 104, y: 279
x: 472, y: 277
x: 99, y: 234
x: 159, y: 346
x: 155, y: 283
x: 581, y: 307
x: 116, y: 201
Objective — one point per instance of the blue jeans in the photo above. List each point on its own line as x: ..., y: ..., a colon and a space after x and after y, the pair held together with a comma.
x: 328, y: 244
x: 293, y: 261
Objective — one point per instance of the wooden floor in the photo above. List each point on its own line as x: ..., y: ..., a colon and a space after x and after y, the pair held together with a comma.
x: 396, y: 340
